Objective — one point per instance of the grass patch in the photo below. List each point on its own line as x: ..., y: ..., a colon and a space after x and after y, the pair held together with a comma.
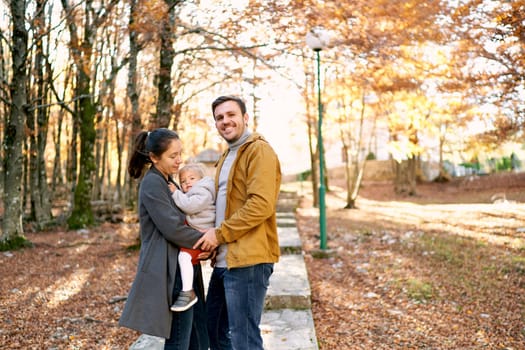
x: 419, y: 290
x: 134, y: 247
x: 451, y: 249
x: 518, y: 262
x: 323, y: 253
x: 461, y: 265
x: 15, y: 243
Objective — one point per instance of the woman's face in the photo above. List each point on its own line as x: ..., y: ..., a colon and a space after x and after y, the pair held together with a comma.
x: 169, y: 162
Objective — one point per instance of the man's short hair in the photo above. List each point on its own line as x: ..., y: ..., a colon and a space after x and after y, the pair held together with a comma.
x: 222, y: 99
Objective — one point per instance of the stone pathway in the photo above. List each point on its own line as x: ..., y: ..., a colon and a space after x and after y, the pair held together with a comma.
x: 287, y: 322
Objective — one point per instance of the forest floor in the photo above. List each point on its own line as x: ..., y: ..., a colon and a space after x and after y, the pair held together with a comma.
x: 444, y: 269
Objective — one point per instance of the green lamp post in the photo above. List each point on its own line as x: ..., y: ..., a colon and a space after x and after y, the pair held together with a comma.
x: 317, y: 39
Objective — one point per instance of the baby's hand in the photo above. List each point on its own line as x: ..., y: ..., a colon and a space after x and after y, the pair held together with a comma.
x: 172, y: 187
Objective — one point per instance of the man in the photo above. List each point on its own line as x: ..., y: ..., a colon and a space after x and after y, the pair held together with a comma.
x: 247, y: 181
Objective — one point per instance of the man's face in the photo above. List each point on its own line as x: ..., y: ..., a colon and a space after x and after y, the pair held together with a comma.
x: 230, y: 121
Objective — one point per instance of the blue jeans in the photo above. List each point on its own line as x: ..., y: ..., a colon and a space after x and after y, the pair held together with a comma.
x: 188, y: 328
x: 234, y: 305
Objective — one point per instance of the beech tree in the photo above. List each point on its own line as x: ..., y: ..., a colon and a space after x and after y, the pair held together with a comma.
x: 12, y: 229
x: 37, y: 123
x: 82, y: 48
x: 491, y: 48
x: 377, y: 44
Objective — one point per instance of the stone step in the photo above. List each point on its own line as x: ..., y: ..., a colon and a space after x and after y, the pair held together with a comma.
x: 289, y: 286
x: 285, y: 214
x: 289, y: 240
x: 287, y: 204
x: 284, y: 329
x: 288, y: 329
x: 286, y: 221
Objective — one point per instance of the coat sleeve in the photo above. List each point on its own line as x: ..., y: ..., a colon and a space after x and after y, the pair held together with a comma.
x: 194, y: 201
x: 158, y: 210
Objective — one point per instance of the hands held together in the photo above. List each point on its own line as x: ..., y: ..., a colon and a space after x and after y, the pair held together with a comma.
x: 208, y: 241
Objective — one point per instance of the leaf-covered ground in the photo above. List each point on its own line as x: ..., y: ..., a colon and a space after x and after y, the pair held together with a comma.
x: 442, y: 270
x: 66, y: 291
x: 408, y: 273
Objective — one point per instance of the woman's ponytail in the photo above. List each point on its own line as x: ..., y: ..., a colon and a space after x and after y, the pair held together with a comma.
x: 155, y: 142
x: 139, y: 157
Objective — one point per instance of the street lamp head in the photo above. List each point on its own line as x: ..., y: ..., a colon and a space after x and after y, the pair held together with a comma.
x: 317, y: 38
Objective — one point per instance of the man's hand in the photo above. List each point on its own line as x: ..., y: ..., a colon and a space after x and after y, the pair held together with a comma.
x: 208, y: 241
x: 212, y: 256
x: 207, y: 255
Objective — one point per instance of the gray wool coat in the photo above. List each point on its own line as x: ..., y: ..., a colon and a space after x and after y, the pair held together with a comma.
x: 162, y: 231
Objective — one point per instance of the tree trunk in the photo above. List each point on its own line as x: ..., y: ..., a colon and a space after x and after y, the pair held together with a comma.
x: 105, y: 163
x: 442, y: 176
x: 412, y: 161
x: 57, y: 166
x: 310, y: 122
x: 164, y: 93
x: 82, y: 214
x: 354, y: 178
x: 85, y: 107
x: 412, y: 175
x: 14, y: 131
x: 100, y: 131
x: 405, y: 176
x: 134, y: 96
x: 400, y: 172
x: 354, y: 166
x: 72, y: 155
x: 406, y: 170
x: 120, y: 147
x: 40, y: 200
x: 350, y: 199
x: 58, y: 176
x: 3, y: 113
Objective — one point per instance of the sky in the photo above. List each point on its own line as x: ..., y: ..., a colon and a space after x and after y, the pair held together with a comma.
x: 281, y: 123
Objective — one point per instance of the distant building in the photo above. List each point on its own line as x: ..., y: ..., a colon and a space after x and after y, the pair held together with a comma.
x: 207, y: 157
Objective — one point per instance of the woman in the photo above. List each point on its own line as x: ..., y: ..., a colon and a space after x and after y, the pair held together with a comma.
x: 162, y: 231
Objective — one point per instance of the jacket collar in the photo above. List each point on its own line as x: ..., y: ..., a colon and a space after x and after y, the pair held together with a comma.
x: 157, y: 172
x: 251, y: 138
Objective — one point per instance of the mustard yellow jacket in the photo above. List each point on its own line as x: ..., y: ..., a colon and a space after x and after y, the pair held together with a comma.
x: 250, y: 227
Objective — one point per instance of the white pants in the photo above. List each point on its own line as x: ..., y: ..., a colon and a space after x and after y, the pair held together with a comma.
x: 186, y: 271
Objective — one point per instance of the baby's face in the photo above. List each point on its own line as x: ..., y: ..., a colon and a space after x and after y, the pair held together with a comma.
x: 187, y: 179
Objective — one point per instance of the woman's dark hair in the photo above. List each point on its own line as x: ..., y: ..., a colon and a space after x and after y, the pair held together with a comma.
x: 222, y: 99
x: 155, y: 142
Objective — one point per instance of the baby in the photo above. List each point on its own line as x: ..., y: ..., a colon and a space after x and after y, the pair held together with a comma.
x: 197, y: 201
